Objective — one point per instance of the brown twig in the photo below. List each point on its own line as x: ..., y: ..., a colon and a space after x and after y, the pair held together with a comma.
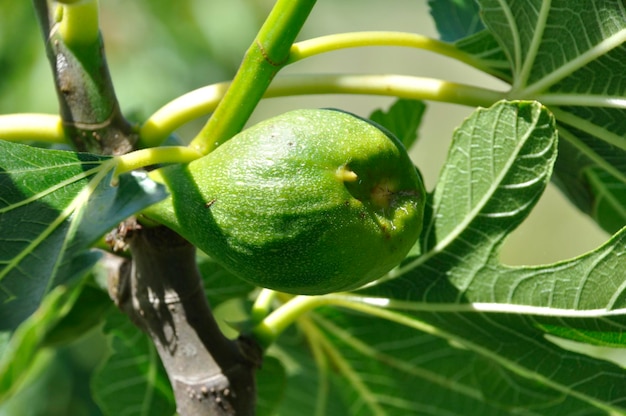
x: 210, y: 374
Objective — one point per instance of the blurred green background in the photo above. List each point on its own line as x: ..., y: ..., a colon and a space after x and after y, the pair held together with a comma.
x: 158, y: 50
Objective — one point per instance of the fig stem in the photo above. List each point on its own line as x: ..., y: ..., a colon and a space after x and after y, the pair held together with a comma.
x: 267, y: 54
x: 200, y: 102
x: 338, y: 41
x: 155, y: 155
x: 45, y: 128
x: 275, y: 323
x: 262, y: 305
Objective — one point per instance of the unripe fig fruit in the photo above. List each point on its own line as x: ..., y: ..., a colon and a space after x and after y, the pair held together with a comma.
x: 308, y: 202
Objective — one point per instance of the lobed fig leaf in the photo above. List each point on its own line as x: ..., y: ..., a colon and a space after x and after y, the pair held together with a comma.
x: 308, y: 202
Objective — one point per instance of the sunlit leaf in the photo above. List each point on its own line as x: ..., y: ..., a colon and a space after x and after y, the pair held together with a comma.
x: 404, y: 366
x: 533, y: 35
x: 488, y: 186
x: 499, y: 164
x: 455, y: 331
x: 485, y: 47
x: 570, y: 56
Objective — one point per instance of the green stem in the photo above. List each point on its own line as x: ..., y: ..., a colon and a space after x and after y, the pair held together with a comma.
x: 401, y: 86
x: 204, y: 100
x: 265, y: 57
x: 79, y: 23
x: 323, y: 44
x: 155, y: 155
x: 275, y: 323
x: 271, y: 327
x: 39, y: 127
x: 262, y: 305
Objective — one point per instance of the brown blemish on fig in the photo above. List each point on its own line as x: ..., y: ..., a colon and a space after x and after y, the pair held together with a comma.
x: 210, y: 203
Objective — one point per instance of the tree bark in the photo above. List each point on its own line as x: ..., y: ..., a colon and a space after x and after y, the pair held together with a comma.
x: 210, y: 374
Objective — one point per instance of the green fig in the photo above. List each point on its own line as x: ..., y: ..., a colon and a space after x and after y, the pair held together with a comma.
x: 308, y: 202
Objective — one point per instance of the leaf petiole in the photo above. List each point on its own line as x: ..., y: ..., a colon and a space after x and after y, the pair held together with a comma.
x: 401, y: 86
x: 275, y: 323
x: 262, y: 304
x: 329, y: 43
x: 38, y: 127
x: 204, y: 100
x: 152, y: 156
x: 294, y: 308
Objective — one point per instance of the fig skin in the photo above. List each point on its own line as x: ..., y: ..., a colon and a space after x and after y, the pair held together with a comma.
x: 309, y: 202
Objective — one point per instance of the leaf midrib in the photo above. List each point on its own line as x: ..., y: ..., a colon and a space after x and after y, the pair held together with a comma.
x: 563, y: 71
x: 531, y: 55
x: 51, y: 189
x: 398, y: 364
x: 80, y: 199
